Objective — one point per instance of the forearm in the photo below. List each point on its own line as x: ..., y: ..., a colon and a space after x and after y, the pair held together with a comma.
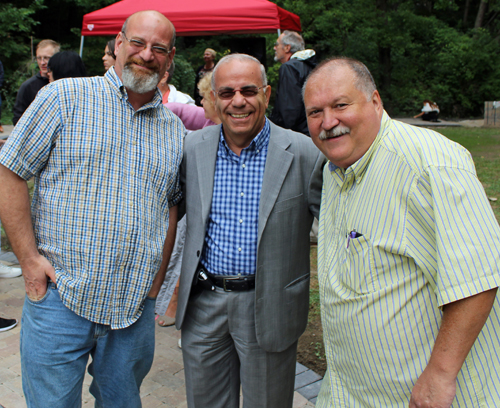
x: 167, y: 252
x: 461, y: 324
x: 15, y: 213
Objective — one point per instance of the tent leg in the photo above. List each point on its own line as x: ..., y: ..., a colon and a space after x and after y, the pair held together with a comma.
x: 81, y: 46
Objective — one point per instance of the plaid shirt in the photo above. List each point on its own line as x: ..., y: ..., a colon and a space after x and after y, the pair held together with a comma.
x: 231, y: 238
x: 105, y: 177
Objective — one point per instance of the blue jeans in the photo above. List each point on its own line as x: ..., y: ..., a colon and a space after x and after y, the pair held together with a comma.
x: 55, y: 348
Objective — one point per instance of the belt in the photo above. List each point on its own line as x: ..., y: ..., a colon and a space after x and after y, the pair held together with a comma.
x: 236, y: 283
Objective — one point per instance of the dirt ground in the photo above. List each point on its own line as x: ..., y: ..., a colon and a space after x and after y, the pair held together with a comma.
x: 311, y: 351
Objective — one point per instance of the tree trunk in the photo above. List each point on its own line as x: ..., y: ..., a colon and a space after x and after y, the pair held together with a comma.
x: 466, y: 12
x: 384, y: 54
x: 480, y: 13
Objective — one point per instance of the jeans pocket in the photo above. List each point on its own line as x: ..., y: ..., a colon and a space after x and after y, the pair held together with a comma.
x: 44, y: 297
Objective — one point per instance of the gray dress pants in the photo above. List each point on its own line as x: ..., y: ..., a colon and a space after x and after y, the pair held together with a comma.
x: 221, y: 352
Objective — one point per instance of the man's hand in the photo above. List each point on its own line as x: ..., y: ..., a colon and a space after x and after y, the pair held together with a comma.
x: 461, y: 324
x: 433, y: 390
x: 35, y: 273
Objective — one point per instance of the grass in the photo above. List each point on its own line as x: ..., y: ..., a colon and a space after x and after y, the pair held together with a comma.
x: 484, y: 146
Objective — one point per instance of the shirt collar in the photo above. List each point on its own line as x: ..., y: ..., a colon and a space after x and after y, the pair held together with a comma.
x: 117, y: 85
x: 258, y: 143
x: 358, y: 168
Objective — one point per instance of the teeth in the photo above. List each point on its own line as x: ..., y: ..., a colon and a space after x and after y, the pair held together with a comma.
x: 243, y: 115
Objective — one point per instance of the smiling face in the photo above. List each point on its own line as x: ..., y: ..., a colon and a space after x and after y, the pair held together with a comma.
x: 141, y: 67
x: 242, y: 117
x: 342, y: 122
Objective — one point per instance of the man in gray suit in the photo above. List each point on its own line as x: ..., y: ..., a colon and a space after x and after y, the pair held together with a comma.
x: 251, y: 191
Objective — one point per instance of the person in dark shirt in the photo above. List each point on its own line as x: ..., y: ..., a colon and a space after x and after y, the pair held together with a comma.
x: 297, y: 63
x: 28, y: 90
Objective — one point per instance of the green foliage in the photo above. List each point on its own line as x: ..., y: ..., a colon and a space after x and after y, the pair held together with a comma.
x: 184, y: 75
x: 16, y: 22
x: 415, y: 49
x: 484, y: 146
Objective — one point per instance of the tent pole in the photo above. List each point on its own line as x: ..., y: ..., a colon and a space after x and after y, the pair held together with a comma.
x: 81, y: 46
x: 279, y: 32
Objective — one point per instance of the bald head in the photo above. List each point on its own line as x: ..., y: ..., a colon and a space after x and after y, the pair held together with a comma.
x: 152, y: 14
x: 363, y: 78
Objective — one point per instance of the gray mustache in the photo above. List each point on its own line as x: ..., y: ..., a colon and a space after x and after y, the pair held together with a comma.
x: 336, y: 131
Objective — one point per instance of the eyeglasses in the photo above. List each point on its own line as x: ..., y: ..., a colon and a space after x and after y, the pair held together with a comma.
x: 247, y: 92
x: 44, y: 59
x: 141, y: 45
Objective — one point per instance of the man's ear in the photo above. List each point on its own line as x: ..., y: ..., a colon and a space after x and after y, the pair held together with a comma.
x: 377, y: 102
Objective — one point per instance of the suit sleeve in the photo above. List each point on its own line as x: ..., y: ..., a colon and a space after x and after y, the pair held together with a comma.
x: 316, y: 185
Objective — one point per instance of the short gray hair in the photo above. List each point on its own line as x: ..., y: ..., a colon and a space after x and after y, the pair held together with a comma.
x: 364, y: 79
x: 294, y: 40
x: 241, y: 58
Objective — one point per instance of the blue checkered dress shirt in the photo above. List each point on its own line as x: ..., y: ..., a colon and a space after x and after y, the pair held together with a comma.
x: 231, y: 238
x: 105, y: 177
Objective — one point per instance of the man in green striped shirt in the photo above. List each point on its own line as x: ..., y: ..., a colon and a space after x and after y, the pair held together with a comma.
x: 409, y: 255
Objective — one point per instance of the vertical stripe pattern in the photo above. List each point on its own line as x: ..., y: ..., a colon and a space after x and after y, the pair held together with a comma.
x: 425, y: 236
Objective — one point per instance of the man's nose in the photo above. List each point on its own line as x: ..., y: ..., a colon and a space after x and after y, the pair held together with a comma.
x: 238, y: 99
x: 330, y: 119
x: 147, y: 53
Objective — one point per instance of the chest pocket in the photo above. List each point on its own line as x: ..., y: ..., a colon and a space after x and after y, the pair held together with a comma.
x: 358, y: 266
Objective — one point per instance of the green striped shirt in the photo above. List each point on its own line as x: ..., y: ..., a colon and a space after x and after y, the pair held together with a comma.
x: 422, y: 235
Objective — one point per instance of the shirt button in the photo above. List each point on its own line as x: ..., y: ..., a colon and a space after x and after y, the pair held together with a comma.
x: 243, y: 165
x: 128, y: 237
x: 242, y: 194
x: 239, y: 249
x: 241, y: 221
x: 134, y: 142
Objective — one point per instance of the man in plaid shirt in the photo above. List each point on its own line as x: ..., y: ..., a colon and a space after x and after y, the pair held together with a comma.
x: 94, y: 247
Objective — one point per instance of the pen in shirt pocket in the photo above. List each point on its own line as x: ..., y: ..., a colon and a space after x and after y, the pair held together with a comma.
x: 352, y: 235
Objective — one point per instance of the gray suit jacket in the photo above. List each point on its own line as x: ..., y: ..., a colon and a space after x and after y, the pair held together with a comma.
x: 290, y: 198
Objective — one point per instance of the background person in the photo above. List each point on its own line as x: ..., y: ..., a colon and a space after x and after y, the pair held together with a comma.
x: 297, y: 63
x: 65, y: 64
x: 408, y: 256
x: 29, y: 88
x: 209, y: 58
x: 430, y: 111
x: 193, y: 117
x: 169, y: 91
x: 109, y: 57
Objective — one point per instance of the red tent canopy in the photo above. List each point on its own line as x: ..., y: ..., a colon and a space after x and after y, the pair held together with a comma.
x: 197, y: 17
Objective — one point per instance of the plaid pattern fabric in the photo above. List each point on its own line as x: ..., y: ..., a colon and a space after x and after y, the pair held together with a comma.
x: 105, y: 177
x: 231, y: 239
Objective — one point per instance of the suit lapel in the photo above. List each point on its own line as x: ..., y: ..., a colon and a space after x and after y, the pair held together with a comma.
x: 277, y: 164
x: 206, y: 156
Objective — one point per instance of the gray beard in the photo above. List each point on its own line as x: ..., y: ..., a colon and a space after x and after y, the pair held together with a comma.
x: 139, y: 84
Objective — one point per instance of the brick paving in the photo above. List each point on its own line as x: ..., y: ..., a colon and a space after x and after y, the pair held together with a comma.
x: 163, y: 386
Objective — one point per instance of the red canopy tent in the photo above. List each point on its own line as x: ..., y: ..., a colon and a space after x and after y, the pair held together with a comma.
x: 197, y: 17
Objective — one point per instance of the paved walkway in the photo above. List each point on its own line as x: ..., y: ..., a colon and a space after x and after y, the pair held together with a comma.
x: 164, y: 385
